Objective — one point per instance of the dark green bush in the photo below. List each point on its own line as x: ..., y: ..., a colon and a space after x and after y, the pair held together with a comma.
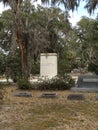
x: 24, y: 84
x: 64, y: 82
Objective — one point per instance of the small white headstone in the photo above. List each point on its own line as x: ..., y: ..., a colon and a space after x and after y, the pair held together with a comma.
x: 48, y: 65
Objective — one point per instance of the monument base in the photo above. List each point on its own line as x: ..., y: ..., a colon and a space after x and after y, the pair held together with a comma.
x: 95, y: 89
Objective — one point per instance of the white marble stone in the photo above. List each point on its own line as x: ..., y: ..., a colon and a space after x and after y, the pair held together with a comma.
x: 48, y: 65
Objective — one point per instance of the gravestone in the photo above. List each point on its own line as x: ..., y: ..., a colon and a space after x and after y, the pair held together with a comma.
x: 48, y: 65
x: 48, y: 95
x: 75, y: 97
x: 86, y: 83
x: 23, y: 94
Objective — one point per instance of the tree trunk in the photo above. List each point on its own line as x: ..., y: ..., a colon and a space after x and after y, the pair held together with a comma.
x: 24, y: 56
x: 22, y: 42
x: 21, y: 38
x: 24, y: 61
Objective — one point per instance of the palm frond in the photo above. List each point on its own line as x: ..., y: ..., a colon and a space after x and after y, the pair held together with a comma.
x: 91, y: 5
x: 4, y: 1
x: 69, y: 4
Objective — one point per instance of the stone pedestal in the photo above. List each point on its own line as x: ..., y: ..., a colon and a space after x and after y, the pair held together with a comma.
x: 48, y: 65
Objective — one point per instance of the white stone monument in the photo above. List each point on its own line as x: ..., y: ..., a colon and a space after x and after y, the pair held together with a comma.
x: 48, y: 65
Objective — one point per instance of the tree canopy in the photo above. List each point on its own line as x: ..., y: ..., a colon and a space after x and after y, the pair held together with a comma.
x: 34, y: 30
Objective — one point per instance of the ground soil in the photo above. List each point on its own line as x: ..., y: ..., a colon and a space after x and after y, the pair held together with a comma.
x: 35, y: 113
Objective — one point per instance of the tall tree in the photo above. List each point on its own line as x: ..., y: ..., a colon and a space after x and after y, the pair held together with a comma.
x: 56, y: 22
x: 21, y: 33
x: 38, y: 28
x: 87, y: 32
x: 21, y: 30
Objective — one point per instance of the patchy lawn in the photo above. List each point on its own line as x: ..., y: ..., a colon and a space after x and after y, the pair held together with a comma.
x: 34, y: 113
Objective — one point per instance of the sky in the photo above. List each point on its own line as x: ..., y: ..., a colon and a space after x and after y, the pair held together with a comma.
x: 74, y: 16
x: 77, y: 15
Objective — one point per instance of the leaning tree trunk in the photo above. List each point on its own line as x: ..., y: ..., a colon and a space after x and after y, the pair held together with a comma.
x: 21, y: 38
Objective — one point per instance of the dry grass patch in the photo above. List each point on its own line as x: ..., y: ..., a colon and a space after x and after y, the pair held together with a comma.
x: 20, y: 113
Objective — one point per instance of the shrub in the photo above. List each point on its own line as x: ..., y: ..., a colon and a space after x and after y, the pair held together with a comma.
x: 62, y: 82
x: 24, y: 84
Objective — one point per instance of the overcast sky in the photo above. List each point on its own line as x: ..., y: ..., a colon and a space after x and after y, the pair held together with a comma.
x: 75, y: 16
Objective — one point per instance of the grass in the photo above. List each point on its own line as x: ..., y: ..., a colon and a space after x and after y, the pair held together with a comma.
x: 20, y: 113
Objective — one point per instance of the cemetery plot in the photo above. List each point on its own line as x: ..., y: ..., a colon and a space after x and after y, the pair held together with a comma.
x: 48, y: 95
x: 76, y: 97
x: 23, y: 94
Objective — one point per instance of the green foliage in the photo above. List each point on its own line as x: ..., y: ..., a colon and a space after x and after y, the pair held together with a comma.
x: 40, y: 31
x: 65, y: 66
x: 24, y: 84
x: 61, y: 82
x: 88, y: 37
x: 93, y: 67
x: 13, y: 65
x: 6, y: 31
x: 10, y: 64
x: 66, y: 60
x: 2, y: 63
x: 35, y: 68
